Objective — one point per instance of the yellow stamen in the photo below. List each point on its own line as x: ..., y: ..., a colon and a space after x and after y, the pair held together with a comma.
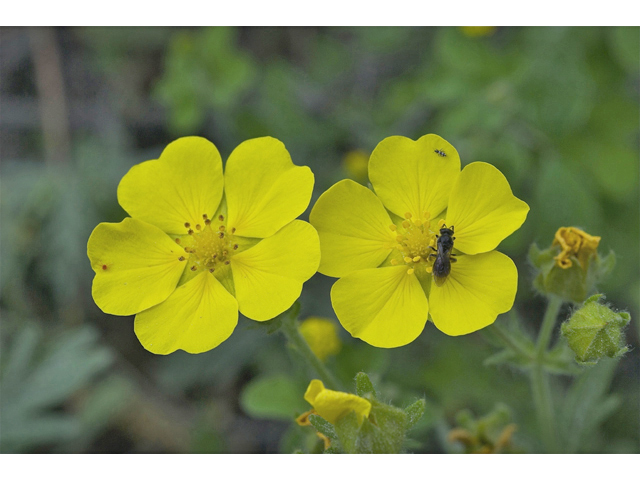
x: 406, y: 224
x: 417, y: 259
x: 408, y: 259
x: 394, y: 261
x: 410, y: 271
x: 393, y: 228
x: 407, y: 215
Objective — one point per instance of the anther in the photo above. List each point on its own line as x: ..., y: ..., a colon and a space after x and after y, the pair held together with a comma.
x: 198, y: 227
x: 194, y: 268
x: 221, y: 218
x: 182, y: 259
x: 207, y: 222
x: 225, y: 253
x: 394, y: 262
x: 416, y: 259
x: 393, y: 228
x: 407, y: 215
x: 190, y: 232
x: 211, y: 270
x: 227, y: 262
x: 429, y: 269
x: 221, y: 234
x: 408, y: 260
x: 104, y: 267
x: 235, y: 247
x: 177, y: 240
x: 399, y: 238
x: 406, y: 224
x: 410, y: 271
x: 187, y: 225
x: 233, y: 230
x: 204, y: 216
x: 221, y: 228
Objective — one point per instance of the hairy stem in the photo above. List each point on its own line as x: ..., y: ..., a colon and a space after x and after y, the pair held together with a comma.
x: 297, y: 342
x: 540, y: 379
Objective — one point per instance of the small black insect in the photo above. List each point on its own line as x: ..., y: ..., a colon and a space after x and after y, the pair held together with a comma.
x: 444, y: 257
x: 440, y: 152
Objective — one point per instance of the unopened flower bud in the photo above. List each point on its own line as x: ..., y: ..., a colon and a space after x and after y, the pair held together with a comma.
x: 595, y: 331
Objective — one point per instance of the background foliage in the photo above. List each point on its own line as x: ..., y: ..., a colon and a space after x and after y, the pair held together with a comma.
x: 555, y: 109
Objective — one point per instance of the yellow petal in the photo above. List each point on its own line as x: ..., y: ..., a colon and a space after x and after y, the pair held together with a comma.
x: 478, y: 288
x: 332, y: 405
x: 353, y: 227
x: 182, y: 185
x: 137, y: 266
x: 264, y: 189
x: 268, y: 277
x: 385, y: 307
x: 199, y: 316
x: 411, y: 176
x: 483, y: 209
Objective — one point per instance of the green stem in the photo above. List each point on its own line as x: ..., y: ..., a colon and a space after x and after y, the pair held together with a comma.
x: 300, y: 345
x: 508, y: 340
x: 548, y: 323
x: 540, y: 379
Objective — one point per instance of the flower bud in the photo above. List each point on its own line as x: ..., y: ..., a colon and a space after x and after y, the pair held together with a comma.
x: 595, y: 331
x: 571, y: 267
x: 359, y: 423
x: 322, y: 336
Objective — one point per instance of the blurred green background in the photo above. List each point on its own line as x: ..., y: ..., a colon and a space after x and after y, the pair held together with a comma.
x: 555, y: 109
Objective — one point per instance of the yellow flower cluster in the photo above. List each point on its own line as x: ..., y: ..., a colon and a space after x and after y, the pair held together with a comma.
x: 201, y: 245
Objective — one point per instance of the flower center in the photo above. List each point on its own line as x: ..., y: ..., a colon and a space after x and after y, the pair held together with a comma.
x: 209, y: 244
x: 415, y: 241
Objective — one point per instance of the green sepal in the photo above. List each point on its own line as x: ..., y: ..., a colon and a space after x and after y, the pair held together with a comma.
x: 414, y: 412
x: 595, y: 331
x: 364, y: 385
x: 347, y: 429
x: 572, y: 284
x: 324, y: 427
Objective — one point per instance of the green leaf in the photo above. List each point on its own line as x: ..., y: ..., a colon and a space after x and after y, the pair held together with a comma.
x: 276, y: 397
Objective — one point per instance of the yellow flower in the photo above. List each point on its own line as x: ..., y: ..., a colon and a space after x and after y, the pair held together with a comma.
x: 332, y: 405
x: 574, y: 243
x: 478, y: 31
x: 200, y: 246
x: 382, y: 245
x: 322, y: 336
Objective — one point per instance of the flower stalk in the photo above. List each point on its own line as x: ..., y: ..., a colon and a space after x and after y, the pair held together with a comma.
x: 298, y: 343
x: 540, y: 379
